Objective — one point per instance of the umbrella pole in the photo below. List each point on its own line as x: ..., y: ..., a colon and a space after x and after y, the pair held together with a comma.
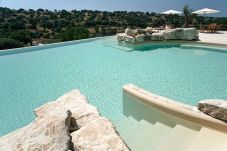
x: 204, y: 17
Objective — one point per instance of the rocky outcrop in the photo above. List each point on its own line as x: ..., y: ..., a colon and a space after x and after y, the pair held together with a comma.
x: 140, y: 38
x: 150, y: 34
x: 129, y: 39
x: 170, y: 34
x: 157, y: 36
x: 130, y: 32
x: 56, y: 120
x: 121, y: 36
x: 46, y: 132
x: 181, y: 34
x: 187, y: 34
x: 215, y: 108
x: 98, y: 135
x: 140, y: 31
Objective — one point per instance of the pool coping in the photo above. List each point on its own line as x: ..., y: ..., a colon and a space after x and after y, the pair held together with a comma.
x: 175, y: 108
x: 45, y: 46
x: 184, y: 43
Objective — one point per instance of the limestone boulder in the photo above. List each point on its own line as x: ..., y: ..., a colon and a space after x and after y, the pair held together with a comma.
x: 170, y: 34
x: 149, y: 30
x: 215, y: 108
x: 76, y: 103
x: 47, y: 132
x: 121, y: 36
x: 140, y: 38
x: 129, y: 39
x: 157, y: 36
x: 140, y: 31
x: 98, y: 135
x: 147, y: 37
x: 130, y: 32
x: 55, y: 120
x: 187, y: 34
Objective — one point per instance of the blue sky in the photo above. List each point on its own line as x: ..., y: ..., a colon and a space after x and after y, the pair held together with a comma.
x: 113, y: 5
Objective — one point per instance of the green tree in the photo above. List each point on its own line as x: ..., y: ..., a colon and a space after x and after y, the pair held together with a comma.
x: 22, y: 36
x: 74, y: 33
x: 6, y: 43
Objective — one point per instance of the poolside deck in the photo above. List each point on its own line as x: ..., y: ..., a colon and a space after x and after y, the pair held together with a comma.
x: 214, y: 38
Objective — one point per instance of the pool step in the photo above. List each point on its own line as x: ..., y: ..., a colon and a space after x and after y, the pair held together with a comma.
x: 112, y: 42
x: 209, y: 140
x: 142, y: 135
x: 159, y: 132
x: 178, y: 140
x: 115, y: 45
x: 135, y: 131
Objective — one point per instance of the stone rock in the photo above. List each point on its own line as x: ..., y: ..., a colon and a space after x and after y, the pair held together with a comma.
x: 181, y: 34
x: 157, y: 36
x: 129, y: 39
x: 140, y: 38
x: 130, y: 32
x: 215, y: 108
x: 47, y: 132
x: 170, y: 34
x: 76, y: 103
x: 140, y: 31
x: 189, y: 34
x: 98, y: 135
x: 149, y: 30
x: 147, y: 37
x: 121, y: 36
x: 140, y: 35
x: 50, y: 130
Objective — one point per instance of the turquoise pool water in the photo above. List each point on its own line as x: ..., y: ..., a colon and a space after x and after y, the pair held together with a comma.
x: 30, y: 79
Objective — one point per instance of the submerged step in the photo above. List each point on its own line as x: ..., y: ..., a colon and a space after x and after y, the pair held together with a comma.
x: 178, y: 140
x: 142, y: 135
x: 135, y: 132
x: 158, y: 133
x: 209, y: 140
x: 149, y: 138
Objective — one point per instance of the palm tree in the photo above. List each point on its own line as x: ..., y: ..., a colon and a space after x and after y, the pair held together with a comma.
x: 187, y: 15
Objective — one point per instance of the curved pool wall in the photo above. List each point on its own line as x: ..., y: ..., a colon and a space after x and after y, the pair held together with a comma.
x: 157, y: 123
x: 187, y: 113
x: 28, y: 80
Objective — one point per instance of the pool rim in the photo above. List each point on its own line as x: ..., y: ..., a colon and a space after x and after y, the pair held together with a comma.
x: 188, y: 44
x: 172, y: 107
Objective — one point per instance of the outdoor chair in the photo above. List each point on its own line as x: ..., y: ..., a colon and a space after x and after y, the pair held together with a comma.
x: 212, y: 28
x: 218, y: 27
x: 203, y: 28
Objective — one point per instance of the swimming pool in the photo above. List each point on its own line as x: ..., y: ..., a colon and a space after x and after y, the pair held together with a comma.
x: 30, y: 79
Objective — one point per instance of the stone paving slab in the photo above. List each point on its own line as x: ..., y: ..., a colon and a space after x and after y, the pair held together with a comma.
x: 214, y: 38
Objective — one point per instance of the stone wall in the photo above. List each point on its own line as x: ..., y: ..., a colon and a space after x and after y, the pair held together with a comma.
x: 69, y: 123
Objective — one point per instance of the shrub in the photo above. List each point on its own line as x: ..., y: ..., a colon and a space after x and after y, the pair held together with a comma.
x: 74, y: 33
x: 6, y: 43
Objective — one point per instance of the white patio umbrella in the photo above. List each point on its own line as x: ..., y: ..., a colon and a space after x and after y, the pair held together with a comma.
x: 172, y: 12
x: 206, y: 11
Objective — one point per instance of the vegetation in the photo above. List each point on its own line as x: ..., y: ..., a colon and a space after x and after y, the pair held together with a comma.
x: 187, y: 15
x: 74, y: 33
x: 30, y: 27
x: 6, y: 43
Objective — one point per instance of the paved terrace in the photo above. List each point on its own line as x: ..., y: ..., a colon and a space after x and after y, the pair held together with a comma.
x: 214, y: 38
